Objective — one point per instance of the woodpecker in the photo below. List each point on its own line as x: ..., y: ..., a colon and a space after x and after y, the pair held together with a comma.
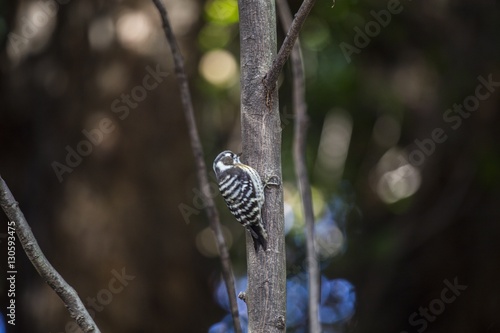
x: 243, y: 191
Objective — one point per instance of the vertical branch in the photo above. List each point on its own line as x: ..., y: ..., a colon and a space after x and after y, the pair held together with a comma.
x: 261, y: 140
x: 212, y: 213
x: 299, y: 157
x: 28, y: 241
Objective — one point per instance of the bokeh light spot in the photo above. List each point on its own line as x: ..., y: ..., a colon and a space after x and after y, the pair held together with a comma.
x: 399, y: 184
x: 183, y: 14
x: 289, y: 217
x: 219, y: 68
x: 329, y: 240
x: 133, y: 30
x: 334, y: 146
x: 33, y: 30
x: 222, y: 11
x: 394, y: 177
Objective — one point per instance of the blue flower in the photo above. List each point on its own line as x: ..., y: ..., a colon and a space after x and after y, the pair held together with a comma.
x: 221, y: 297
x: 296, y: 301
x: 221, y: 327
x: 227, y: 326
x: 338, y: 301
x: 2, y: 324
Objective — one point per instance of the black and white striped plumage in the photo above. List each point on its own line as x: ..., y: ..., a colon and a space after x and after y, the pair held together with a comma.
x: 242, y: 189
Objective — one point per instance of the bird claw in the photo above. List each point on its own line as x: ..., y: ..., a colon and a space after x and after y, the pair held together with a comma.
x: 272, y: 181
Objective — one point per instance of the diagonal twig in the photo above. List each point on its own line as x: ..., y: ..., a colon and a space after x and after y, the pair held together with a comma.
x: 212, y: 213
x: 286, y: 48
x: 299, y: 154
x: 67, y: 294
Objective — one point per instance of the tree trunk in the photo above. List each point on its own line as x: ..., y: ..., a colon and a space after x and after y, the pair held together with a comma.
x: 261, y: 140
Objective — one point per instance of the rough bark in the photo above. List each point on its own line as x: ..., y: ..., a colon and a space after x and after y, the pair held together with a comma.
x: 261, y: 141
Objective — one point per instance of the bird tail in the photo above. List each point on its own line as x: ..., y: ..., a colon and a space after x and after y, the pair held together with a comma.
x: 259, y: 236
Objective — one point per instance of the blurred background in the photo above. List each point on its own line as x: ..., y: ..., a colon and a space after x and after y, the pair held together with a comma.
x: 403, y: 153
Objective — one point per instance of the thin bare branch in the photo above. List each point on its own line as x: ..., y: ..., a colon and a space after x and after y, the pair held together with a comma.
x: 211, y: 210
x: 299, y: 156
x: 28, y: 241
x: 286, y: 48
